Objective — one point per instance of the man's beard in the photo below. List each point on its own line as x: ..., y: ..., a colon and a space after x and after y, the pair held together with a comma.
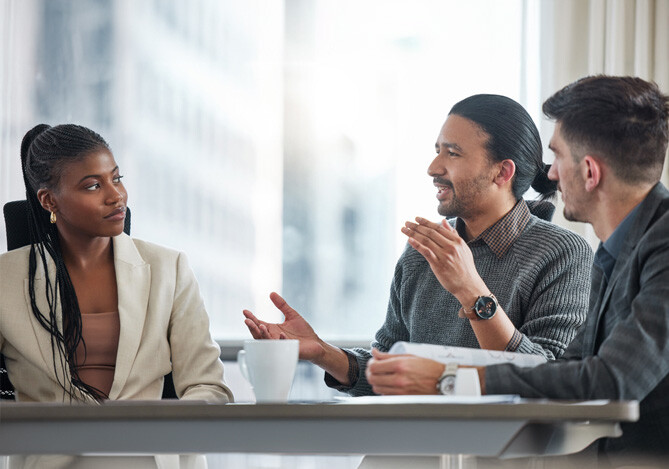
x: 452, y: 209
x: 576, y: 212
x: 461, y: 205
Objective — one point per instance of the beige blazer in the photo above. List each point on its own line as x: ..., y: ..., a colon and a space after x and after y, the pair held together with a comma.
x: 164, y: 327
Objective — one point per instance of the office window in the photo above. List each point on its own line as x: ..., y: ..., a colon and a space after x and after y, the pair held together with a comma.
x: 281, y: 145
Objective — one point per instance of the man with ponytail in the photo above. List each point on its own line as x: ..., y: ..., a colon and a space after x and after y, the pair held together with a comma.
x: 88, y: 313
x: 492, y: 274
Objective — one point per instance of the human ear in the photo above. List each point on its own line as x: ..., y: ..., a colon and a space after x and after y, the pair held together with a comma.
x: 505, y: 172
x: 47, y: 200
x: 592, y: 170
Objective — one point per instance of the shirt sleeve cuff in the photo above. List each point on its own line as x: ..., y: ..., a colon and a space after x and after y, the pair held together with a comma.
x: 515, y: 341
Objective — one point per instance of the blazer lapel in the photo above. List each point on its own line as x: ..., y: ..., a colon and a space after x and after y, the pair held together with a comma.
x: 133, y: 280
x: 646, y: 212
x: 598, y: 286
x: 623, y: 259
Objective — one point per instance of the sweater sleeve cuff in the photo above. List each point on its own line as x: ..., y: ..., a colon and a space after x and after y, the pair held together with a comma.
x: 353, y: 372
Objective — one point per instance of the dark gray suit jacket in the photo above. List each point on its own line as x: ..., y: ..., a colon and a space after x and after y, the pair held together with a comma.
x: 622, y: 349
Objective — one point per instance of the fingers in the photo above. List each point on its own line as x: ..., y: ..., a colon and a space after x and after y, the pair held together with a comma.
x: 250, y: 318
x: 258, y: 329
x: 448, y: 227
x: 443, y: 228
x: 249, y: 315
x: 386, y: 363
x: 281, y: 304
x: 422, y: 244
x: 253, y: 329
x: 379, y: 355
x: 403, y: 374
x: 384, y: 373
x: 434, y: 236
x: 427, y: 253
x: 426, y: 236
x: 385, y: 385
x: 266, y: 334
x: 427, y: 223
x: 439, y: 243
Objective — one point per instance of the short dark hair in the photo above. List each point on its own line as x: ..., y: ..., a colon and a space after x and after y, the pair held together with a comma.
x: 623, y: 120
x: 512, y: 135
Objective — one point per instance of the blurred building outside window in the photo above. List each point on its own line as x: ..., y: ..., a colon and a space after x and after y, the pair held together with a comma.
x: 281, y: 145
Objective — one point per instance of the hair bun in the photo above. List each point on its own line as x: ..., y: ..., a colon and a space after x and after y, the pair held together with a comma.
x: 542, y: 184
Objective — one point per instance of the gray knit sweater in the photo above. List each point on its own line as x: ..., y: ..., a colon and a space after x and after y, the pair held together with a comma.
x: 542, y: 282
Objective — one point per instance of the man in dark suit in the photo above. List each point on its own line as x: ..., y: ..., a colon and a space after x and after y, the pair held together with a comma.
x: 610, y: 143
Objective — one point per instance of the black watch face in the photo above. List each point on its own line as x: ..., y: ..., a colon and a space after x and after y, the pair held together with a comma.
x: 485, y: 307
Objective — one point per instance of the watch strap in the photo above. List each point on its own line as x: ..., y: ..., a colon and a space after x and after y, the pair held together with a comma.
x: 446, y: 382
x: 468, y: 313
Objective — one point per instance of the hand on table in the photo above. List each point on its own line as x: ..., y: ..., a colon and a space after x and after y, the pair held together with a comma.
x: 449, y: 257
x: 402, y: 374
x: 294, y: 326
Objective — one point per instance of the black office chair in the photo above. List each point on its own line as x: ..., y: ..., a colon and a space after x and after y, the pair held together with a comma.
x: 6, y: 388
x: 18, y: 235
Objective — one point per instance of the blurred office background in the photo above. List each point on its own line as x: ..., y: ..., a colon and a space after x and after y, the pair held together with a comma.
x: 282, y: 143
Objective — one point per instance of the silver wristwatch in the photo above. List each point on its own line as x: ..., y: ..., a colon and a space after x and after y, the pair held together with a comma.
x: 446, y: 382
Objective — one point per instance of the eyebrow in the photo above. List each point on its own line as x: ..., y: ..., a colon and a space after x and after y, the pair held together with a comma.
x: 96, y: 175
x: 454, y: 146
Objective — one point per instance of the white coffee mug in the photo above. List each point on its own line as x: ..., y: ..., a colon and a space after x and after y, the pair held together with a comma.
x: 467, y: 382
x: 269, y: 365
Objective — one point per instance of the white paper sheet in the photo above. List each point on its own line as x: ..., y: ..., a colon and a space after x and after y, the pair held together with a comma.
x: 466, y: 356
x: 429, y: 399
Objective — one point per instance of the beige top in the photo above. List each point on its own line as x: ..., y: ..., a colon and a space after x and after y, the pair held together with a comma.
x: 100, y: 332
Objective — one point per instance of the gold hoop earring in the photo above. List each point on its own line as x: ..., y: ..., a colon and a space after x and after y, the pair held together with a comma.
x: 52, y: 218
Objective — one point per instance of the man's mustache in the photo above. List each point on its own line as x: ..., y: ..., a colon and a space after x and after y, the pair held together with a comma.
x: 443, y: 182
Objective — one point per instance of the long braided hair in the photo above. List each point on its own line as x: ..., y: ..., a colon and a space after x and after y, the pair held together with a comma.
x: 45, y: 151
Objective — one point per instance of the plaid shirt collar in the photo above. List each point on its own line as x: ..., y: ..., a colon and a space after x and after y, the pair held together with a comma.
x: 503, y: 233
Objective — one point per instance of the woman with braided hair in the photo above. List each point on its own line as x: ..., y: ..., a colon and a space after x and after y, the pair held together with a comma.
x: 86, y: 312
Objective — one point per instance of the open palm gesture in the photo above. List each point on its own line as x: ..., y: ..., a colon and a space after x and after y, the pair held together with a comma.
x: 294, y: 326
